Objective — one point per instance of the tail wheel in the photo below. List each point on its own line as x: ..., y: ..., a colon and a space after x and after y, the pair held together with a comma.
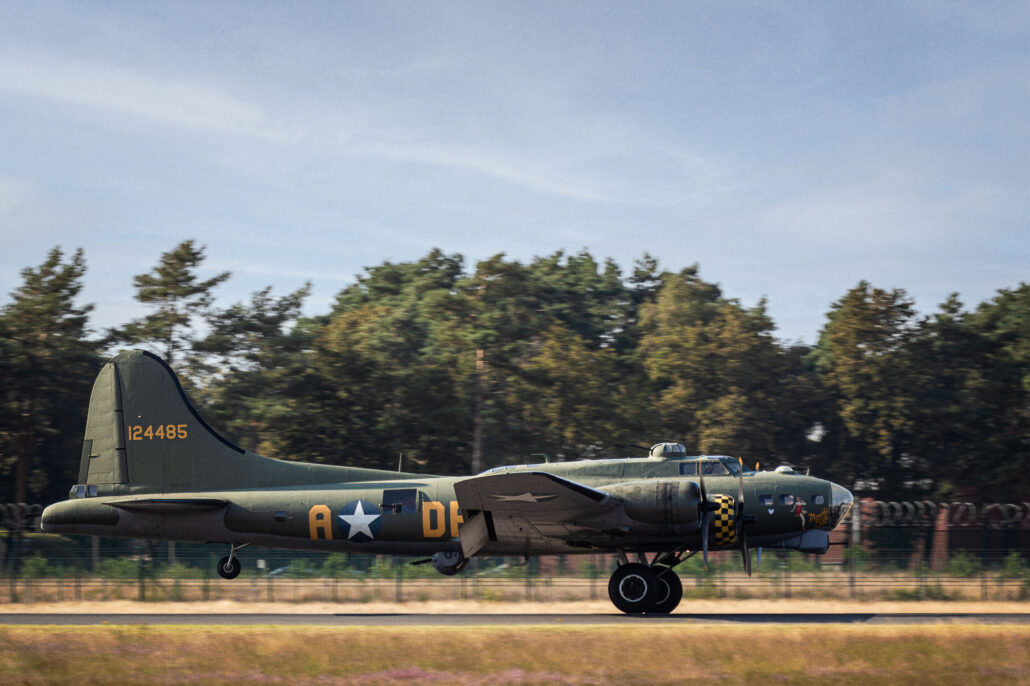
x: 669, y: 593
x: 724, y: 520
x: 633, y: 588
x: 229, y: 567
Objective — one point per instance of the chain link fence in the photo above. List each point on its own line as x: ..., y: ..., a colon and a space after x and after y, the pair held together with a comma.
x: 884, y: 551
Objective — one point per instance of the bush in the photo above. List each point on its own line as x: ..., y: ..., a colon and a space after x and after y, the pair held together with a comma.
x: 119, y: 568
x: 335, y: 566
x: 35, y: 567
x: 1013, y: 567
x: 964, y: 565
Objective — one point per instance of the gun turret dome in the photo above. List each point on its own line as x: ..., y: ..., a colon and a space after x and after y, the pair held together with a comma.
x: 668, y: 450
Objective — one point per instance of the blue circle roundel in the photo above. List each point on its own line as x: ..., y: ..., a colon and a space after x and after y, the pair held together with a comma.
x: 360, y: 521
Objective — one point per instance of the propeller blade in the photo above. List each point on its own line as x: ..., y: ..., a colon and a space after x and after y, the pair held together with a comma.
x: 738, y: 517
x: 704, y: 537
x: 705, y: 507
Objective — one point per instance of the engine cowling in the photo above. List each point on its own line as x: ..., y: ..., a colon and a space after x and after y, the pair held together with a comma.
x: 672, y: 504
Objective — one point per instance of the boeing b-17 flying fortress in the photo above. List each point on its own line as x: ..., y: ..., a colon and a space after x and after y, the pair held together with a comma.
x: 152, y: 468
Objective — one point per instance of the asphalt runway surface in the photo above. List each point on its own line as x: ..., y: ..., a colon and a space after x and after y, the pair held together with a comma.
x: 403, y: 619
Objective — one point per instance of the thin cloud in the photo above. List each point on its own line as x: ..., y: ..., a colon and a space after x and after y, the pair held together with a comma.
x: 130, y: 92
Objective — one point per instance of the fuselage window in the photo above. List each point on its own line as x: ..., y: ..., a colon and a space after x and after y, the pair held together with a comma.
x: 688, y: 469
x: 786, y: 500
x: 818, y: 499
x: 766, y: 500
x: 400, y: 501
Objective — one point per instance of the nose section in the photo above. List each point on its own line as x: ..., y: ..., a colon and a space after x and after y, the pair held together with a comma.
x: 841, y: 501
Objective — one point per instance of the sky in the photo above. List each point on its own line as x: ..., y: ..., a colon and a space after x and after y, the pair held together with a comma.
x: 789, y: 149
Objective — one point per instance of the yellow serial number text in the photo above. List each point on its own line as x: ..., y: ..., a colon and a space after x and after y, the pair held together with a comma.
x: 161, y: 432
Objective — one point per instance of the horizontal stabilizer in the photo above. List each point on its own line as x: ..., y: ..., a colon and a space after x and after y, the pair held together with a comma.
x: 170, y: 505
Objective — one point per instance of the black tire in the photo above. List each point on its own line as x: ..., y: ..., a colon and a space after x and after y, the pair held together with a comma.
x: 229, y: 569
x: 449, y: 563
x: 670, y: 593
x: 633, y: 588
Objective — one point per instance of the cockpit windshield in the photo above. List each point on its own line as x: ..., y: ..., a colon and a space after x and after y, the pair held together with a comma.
x: 734, y: 466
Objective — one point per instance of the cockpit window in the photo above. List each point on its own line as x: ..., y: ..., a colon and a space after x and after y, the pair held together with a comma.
x: 713, y: 468
x: 688, y: 469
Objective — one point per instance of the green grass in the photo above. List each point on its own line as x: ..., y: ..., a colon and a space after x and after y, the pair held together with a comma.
x: 799, y: 654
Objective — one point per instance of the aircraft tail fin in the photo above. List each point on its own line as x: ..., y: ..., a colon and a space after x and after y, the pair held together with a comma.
x: 143, y: 432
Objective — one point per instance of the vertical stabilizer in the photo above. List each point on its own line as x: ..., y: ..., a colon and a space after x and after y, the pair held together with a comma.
x: 144, y: 436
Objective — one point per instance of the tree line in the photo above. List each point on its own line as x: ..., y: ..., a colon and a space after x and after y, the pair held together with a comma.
x: 450, y: 369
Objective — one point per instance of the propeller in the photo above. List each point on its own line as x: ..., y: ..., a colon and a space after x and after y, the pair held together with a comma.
x: 705, y: 507
x: 738, y: 518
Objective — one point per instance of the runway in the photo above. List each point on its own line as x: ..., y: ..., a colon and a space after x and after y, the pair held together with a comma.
x: 460, y: 620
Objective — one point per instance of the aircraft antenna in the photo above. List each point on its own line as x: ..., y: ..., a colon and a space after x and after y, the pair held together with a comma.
x: 400, y: 461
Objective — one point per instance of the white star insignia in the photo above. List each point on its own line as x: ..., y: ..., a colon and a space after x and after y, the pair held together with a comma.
x: 524, y: 498
x: 359, y: 521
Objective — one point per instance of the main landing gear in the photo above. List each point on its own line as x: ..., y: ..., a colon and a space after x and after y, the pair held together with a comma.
x: 642, y: 588
x: 229, y: 567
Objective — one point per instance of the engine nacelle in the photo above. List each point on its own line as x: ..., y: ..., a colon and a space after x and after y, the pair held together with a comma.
x: 673, y: 504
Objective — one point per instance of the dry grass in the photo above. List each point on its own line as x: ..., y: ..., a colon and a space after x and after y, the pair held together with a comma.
x: 527, y: 655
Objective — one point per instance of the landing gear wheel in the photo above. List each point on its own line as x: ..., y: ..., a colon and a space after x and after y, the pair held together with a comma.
x: 633, y: 588
x: 229, y: 567
x: 670, y: 593
x: 449, y: 563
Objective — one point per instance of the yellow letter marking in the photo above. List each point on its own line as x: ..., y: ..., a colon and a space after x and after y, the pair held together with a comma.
x: 320, y: 523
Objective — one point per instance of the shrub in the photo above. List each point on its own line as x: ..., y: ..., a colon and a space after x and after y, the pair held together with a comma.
x: 119, y: 568
x: 1013, y: 567
x: 962, y: 564
x: 35, y: 567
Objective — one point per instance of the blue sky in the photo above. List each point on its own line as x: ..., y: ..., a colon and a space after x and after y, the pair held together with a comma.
x: 790, y: 149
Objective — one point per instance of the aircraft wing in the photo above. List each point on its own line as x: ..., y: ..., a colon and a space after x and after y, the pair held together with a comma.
x: 515, y: 508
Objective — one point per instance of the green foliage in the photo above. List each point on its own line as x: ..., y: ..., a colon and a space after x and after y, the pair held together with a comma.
x: 301, y: 568
x: 46, y: 365
x: 119, y: 568
x: 856, y: 559
x: 962, y: 564
x: 177, y: 297
x: 460, y: 368
x: 335, y: 566
x: 35, y: 567
x: 1013, y: 566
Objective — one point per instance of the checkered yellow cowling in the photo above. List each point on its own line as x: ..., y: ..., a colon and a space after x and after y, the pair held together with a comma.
x: 723, y: 518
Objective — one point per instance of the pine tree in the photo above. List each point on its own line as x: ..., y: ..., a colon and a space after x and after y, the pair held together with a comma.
x: 48, y: 367
x: 178, y: 297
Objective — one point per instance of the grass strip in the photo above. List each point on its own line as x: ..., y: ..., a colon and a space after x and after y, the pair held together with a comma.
x: 525, y: 654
